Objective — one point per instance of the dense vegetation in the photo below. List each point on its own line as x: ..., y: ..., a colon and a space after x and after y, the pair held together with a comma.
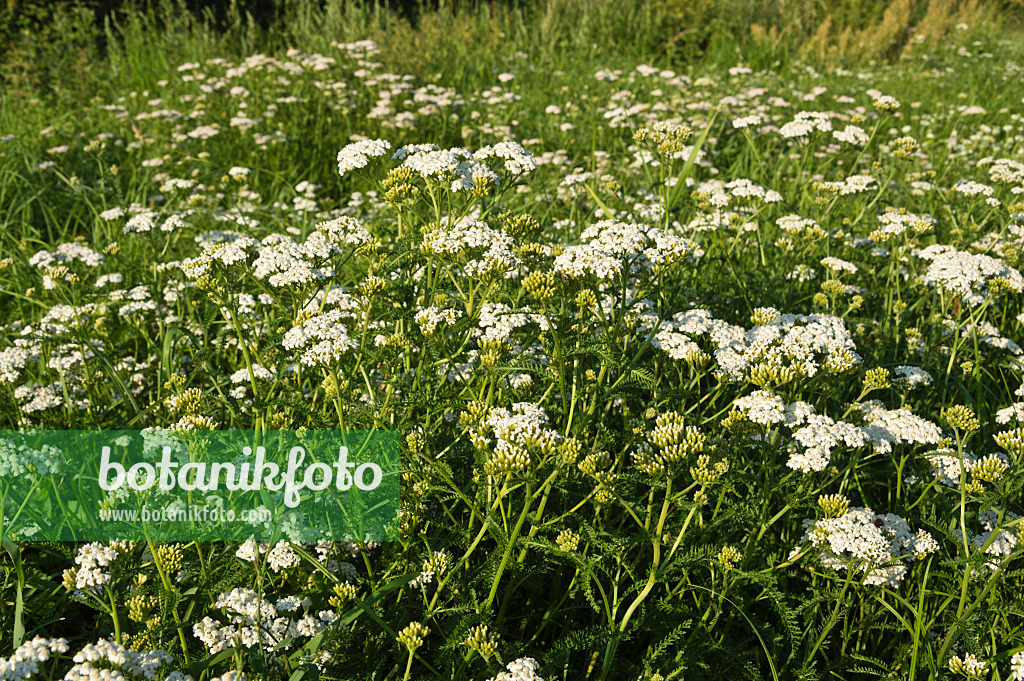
x: 704, y: 350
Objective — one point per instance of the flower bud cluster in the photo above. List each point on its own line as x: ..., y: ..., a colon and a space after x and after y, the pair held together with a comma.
x: 669, y: 445
x: 483, y: 641
x: 412, y: 636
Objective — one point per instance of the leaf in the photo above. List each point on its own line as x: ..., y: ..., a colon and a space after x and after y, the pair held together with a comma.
x: 301, y: 673
x: 607, y: 211
x: 688, y: 165
x: 19, y: 602
x: 200, y: 666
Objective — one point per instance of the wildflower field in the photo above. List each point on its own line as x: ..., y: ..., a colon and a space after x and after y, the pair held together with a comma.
x: 702, y: 369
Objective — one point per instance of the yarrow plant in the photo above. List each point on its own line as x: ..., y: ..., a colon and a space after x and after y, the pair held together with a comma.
x: 702, y: 373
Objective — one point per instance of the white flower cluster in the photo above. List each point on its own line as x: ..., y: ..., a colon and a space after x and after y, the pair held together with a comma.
x: 791, y: 346
x: 1004, y: 170
x: 472, y: 174
x: 173, y: 184
x: 766, y: 408
x: 1017, y: 666
x: 802, y: 273
x: 816, y: 435
x: 523, y: 669
x: 110, y: 660
x: 403, y: 152
x: 896, y: 223
x: 518, y: 160
x: 969, y: 665
x: 886, y: 103
x: 431, y: 317
x: 968, y: 275
x: 677, y: 335
x: 282, y: 557
x: 24, y: 663
x: 794, y: 224
x: 1001, y: 542
x: 36, y: 397
x: 15, y: 358
x: 66, y: 254
x: 746, y: 121
x: 140, y: 223
x: 436, y: 564
x: 20, y: 459
x: 520, y: 381
x: 888, y: 427
x: 93, y: 559
x: 138, y: 298
x: 854, y: 184
x: 838, y: 265
x: 489, y: 250
x: 878, y: 545
x: 466, y: 170
x: 284, y: 262
x: 516, y: 432
x: 441, y: 163
x: 1015, y: 412
x: 720, y: 193
x: 226, y: 248
x: 250, y: 550
x: 344, y: 231
x: 358, y: 154
x: 818, y: 438
x: 908, y: 377
x: 763, y: 407
x: 853, y: 135
x: 324, y: 338
x: 498, y: 321
x: 678, y: 345
x: 610, y: 245
x: 972, y: 188
x: 946, y: 464
x: 254, y: 620
x: 806, y: 122
x: 720, y: 219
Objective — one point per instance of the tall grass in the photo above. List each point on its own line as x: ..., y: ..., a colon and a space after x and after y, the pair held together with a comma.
x: 66, y: 50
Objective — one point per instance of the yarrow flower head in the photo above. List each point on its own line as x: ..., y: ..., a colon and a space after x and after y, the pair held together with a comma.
x: 908, y: 377
x: 358, y: 154
x: 611, y: 245
x: 26, y: 660
x: 968, y: 275
x: 969, y: 665
x: 523, y: 669
x: 485, y: 251
x: 886, y: 103
x: 877, y: 545
x: 254, y: 620
x: 517, y: 432
x: 108, y: 659
x: 517, y: 159
x: 665, y: 136
x: 998, y: 543
x: 787, y: 347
